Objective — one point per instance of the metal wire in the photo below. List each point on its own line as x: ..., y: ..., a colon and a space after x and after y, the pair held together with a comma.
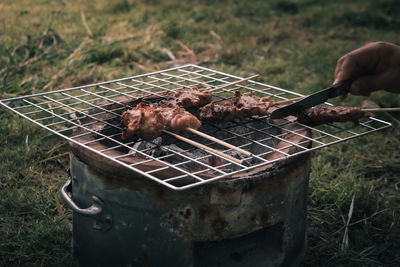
x: 73, y: 113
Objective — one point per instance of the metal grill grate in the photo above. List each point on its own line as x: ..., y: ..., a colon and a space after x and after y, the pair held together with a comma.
x: 76, y: 112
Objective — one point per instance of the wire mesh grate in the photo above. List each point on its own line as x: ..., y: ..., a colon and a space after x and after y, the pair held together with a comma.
x: 89, y: 115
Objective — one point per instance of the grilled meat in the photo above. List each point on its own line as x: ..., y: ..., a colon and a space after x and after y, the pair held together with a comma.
x: 247, y: 105
x: 194, y: 97
x: 176, y: 117
x: 327, y: 114
x: 239, y: 107
x: 149, y: 120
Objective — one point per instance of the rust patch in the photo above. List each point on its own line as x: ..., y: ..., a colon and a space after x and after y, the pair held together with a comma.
x: 227, y: 196
x: 219, y: 225
x: 179, y: 221
x: 186, y: 214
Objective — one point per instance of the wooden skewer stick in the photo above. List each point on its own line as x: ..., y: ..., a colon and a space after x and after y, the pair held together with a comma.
x: 232, y: 83
x: 222, y: 143
x: 379, y: 109
x: 288, y: 100
x: 201, y: 146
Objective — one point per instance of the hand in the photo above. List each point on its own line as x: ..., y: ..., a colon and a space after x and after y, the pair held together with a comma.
x: 374, y: 66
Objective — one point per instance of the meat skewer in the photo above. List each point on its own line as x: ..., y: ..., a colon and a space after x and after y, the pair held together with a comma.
x: 150, y: 120
x: 328, y: 114
x: 196, y: 97
x: 247, y: 105
x: 239, y: 107
x: 380, y: 109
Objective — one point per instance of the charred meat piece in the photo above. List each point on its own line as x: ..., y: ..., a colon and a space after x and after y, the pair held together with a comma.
x: 194, y: 97
x: 327, y: 114
x: 149, y: 120
x: 239, y: 107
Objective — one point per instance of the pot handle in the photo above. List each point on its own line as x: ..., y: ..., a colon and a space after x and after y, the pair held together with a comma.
x: 92, y: 210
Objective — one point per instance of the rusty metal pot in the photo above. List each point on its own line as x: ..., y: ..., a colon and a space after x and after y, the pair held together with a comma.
x: 255, y: 220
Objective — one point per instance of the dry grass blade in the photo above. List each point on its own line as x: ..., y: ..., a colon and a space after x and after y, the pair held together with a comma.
x: 345, y: 241
x: 359, y: 221
x: 61, y: 213
x: 84, y: 22
x: 62, y: 71
x: 366, y: 219
x: 55, y: 157
x: 23, y: 64
x: 189, y: 52
x: 366, y: 158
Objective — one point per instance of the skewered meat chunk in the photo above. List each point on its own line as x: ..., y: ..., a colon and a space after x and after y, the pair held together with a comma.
x: 239, y: 107
x: 193, y: 97
x: 249, y: 105
x: 176, y: 117
x: 327, y: 114
x: 143, y: 120
x: 149, y: 120
x: 218, y: 112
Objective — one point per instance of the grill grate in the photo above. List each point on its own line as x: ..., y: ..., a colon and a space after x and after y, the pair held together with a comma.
x: 76, y: 113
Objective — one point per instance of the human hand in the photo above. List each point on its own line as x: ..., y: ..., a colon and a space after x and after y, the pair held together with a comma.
x: 374, y: 66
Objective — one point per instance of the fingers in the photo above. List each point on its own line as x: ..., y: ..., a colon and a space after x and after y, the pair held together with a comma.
x: 372, y: 67
x: 346, y: 69
x: 361, y: 87
x: 357, y: 63
x: 365, y: 85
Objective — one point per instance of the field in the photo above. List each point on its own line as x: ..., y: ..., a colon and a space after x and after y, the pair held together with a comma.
x: 47, y: 45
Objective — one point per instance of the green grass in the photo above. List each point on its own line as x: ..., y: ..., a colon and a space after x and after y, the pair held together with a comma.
x: 45, y: 45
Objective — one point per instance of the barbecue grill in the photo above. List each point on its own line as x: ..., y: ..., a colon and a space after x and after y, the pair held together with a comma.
x: 245, y: 209
x: 62, y: 112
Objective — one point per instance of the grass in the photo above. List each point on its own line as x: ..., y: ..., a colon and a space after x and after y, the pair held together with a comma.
x: 46, y: 45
